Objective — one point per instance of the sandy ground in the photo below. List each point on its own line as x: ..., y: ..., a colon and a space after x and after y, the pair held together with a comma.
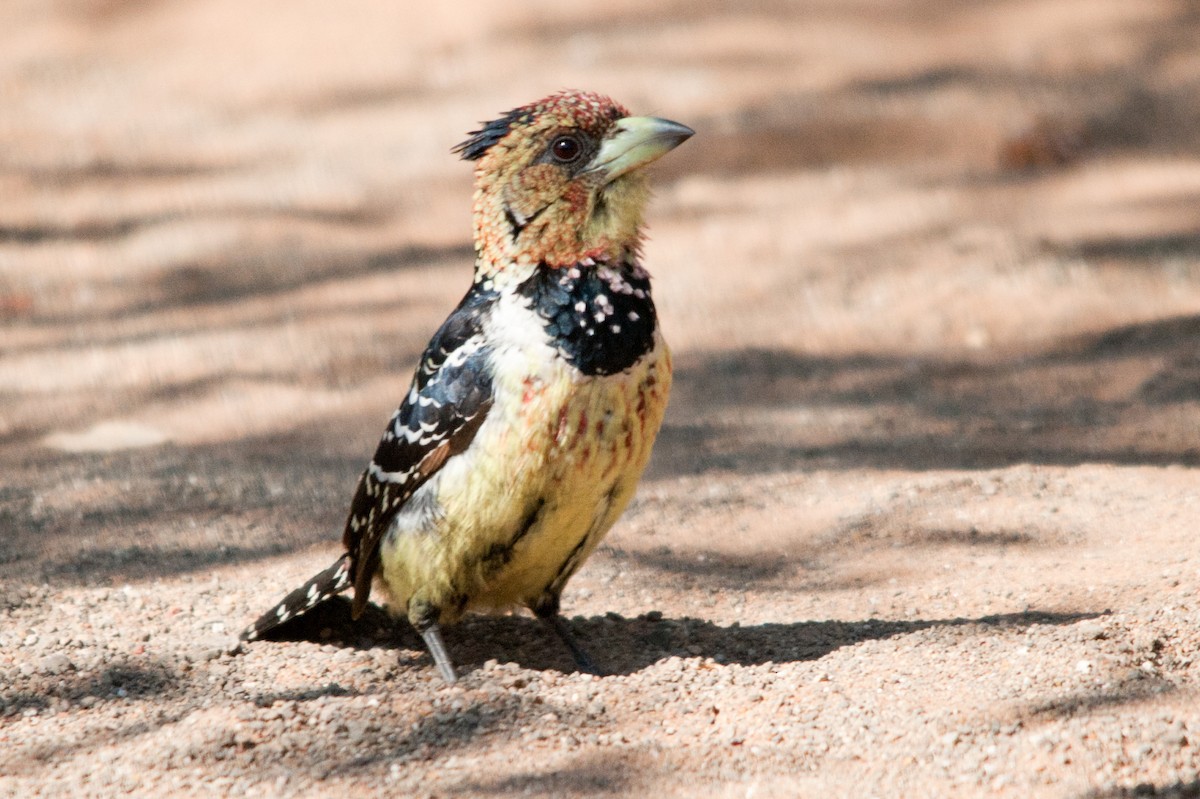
x: 921, y: 520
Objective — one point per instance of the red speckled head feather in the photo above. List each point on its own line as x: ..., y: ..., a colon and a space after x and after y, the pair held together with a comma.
x: 586, y: 109
x: 535, y: 200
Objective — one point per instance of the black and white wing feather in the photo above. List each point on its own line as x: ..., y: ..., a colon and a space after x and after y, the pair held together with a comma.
x: 449, y: 399
x: 450, y: 396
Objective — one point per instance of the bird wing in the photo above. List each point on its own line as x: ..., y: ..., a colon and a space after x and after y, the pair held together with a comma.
x: 449, y: 399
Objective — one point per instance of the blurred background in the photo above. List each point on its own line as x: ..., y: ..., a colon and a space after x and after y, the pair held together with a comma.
x: 907, y: 235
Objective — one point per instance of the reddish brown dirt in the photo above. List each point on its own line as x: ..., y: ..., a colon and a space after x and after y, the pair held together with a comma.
x: 921, y: 521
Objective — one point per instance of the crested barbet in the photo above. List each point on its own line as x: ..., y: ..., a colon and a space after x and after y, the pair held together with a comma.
x: 534, y: 408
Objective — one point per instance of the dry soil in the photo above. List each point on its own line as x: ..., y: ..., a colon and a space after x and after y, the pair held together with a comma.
x: 922, y: 517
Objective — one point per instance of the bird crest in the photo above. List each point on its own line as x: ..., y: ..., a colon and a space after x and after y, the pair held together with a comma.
x: 489, y: 133
x: 585, y: 109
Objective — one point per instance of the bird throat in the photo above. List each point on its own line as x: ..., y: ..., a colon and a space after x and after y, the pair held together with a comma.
x: 517, y: 232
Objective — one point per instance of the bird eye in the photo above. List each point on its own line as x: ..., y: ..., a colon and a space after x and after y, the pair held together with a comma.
x: 566, y: 148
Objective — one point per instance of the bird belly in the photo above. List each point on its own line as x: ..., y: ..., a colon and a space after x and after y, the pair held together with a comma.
x: 550, y: 471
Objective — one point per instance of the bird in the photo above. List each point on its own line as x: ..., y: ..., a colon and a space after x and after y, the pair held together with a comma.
x: 533, y: 410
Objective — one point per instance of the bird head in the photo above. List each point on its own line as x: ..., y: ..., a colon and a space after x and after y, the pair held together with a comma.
x: 560, y: 181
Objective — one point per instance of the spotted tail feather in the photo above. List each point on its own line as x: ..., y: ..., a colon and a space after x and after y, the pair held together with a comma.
x: 322, y: 586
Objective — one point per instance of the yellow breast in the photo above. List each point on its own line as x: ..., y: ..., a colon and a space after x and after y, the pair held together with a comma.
x: 550, y: 470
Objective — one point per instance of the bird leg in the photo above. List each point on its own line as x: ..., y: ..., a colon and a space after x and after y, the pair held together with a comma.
x: 423, y: 616
x: 546, y: 609
x: 437, y: 648
x: 583, y: 661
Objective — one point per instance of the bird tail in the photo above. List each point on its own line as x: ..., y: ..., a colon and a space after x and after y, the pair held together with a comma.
x: 322, y: 586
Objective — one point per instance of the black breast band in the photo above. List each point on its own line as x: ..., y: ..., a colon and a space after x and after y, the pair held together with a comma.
x: 599, y: 317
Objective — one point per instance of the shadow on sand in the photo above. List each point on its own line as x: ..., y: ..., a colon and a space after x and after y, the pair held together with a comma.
x: 623, y: 645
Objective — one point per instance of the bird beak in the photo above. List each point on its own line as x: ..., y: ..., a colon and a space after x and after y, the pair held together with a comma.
x: 635, y: 142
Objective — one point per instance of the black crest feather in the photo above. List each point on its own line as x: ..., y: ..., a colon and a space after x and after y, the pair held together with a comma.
x: 481, y: 140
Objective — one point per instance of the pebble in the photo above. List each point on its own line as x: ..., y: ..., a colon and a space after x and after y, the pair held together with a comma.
x: 54, y: 664
x: 1090, y: 630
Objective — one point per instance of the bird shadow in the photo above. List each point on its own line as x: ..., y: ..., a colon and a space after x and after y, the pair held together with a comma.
x: 628, y: 645
x: 1177, y: 790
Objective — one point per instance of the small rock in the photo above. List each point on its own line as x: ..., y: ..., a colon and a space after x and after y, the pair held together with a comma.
x: 356, y: 731
x: 54, y: 664
x: 203, y: 654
